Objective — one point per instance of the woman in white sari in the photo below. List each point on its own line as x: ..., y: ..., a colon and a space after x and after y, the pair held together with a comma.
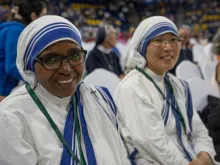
x: 155, y: 113
x: 54, y: 119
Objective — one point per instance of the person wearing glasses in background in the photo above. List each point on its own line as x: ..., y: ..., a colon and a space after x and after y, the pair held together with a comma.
x: 54, y: 119
x: 185, y: 52
x: 155, y: 115
x: 103, y: 54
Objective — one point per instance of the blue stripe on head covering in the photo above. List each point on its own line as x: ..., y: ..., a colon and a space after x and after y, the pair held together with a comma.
x: 45, y: 37
x: 156, y: 30
x: 38, y: 35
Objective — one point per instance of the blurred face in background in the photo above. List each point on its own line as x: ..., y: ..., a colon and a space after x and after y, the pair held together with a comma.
x: 184, y: 35
x: 111, y: 38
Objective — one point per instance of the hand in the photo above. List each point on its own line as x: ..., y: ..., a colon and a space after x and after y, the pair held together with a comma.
x: 203, y: 159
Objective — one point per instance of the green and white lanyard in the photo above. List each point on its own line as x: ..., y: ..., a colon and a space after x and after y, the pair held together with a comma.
x: 56, y: 129
x: 164, y: 97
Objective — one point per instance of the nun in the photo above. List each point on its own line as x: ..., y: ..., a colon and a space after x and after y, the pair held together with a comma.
x: 55, y: 119
x: 155, y: 113
x: 104, y: 54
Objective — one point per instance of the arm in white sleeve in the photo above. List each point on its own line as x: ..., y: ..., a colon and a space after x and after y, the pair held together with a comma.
x: 123, y: 153
x: 15, y: 149
x: 146, y: 127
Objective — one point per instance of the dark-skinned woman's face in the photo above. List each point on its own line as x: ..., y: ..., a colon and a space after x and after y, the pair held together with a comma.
x: 62, y: 81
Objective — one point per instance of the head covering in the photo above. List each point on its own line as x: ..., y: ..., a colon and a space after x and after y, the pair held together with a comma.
x: 37, y: 36
x: 146, y: 31
x: 100, y: 35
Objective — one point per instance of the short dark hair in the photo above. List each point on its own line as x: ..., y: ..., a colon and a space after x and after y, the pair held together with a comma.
x: 26, y: 7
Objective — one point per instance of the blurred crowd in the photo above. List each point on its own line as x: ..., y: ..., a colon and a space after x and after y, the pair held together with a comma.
x: 202, y: 16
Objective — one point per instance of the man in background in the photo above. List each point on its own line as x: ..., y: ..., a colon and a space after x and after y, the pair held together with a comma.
x: 185, y: 52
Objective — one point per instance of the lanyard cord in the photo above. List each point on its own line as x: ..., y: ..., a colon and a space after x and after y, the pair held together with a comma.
x: 78, y: 133
x: 176, y: 109
x: 109, y: 61
x: 164, y: 97
x: 53, y: 125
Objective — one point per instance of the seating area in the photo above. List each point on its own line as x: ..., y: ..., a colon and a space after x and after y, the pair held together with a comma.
x: 87, y: 15
x: 187, y: 70
x: 199, y: 76
x: 200, y: 89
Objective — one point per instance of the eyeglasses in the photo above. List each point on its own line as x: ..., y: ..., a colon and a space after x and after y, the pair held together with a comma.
x: 54, y: 61
x: 163, y: 42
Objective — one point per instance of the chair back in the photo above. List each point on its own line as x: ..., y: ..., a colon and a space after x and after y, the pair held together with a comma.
x: 104, y: 78
x: 200, y: 89
x: 187, y: 70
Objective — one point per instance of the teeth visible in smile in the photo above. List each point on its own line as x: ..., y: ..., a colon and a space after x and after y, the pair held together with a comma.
x: 65, y: 81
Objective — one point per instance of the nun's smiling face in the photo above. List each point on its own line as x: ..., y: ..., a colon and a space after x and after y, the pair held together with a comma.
x: 162, y: 53
x: 60, y: 79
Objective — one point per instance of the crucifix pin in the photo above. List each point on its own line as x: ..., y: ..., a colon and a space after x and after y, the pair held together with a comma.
x: 93, y: 92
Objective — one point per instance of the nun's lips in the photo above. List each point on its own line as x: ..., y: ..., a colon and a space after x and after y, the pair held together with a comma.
x: 65, y: 81
x: 167, y: 57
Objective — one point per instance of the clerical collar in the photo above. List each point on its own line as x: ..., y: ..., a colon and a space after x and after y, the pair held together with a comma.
x: 103, y: 49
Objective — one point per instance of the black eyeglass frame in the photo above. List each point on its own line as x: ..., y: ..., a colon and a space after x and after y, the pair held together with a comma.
x: 40, y: 60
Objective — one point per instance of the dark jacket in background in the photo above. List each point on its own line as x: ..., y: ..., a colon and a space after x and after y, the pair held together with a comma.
x: 210, y: 116
x: 97, y: 59
x: 185, y: 54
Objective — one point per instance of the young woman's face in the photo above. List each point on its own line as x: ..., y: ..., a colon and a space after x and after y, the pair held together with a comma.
x: 62, y: 81
x: 163, y: 52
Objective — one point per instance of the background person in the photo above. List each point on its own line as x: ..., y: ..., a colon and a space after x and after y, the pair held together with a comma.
x: 102, y: 55
x: 24, y: 12
x: 185, y: 52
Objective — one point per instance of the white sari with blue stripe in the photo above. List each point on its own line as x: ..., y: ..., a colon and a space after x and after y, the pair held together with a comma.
x: 171, y: 106
x: 149, y: 126
x: 99, y: 100
x: 35, y: 142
